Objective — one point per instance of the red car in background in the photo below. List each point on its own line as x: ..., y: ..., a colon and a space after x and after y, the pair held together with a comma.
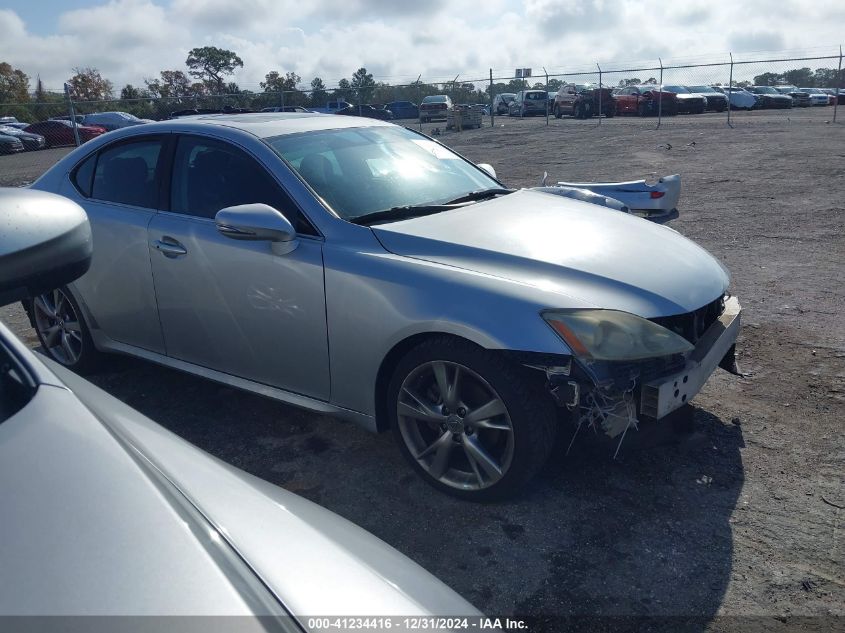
x: 59, y: 132
x: 644, y: 101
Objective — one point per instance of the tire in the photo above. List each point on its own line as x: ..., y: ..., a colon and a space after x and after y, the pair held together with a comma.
x: 557, y: 112
x: 642, y: 109
x: 442, y: 445
x: 62, y: 331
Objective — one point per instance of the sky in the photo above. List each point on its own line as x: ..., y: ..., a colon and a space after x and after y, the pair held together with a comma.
x: 397, y: 40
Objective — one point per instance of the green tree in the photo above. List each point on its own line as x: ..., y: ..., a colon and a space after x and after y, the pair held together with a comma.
x: 130, y: 92
x: 171, y: 84
x: 363, y: 84
x: 87, y: 84
x: 14, y: 84
x: 276, y: 82
x: 319, y: 95
x: 768, y: 79
x: 343, y: 92
x: 801, y: 77
x: 633, y: 81
x: 210, y: 65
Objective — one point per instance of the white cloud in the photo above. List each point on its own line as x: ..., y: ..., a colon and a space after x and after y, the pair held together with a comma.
x: 397, y: 41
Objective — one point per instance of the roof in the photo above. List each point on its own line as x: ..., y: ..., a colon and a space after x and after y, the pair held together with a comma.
x: 267, y: 124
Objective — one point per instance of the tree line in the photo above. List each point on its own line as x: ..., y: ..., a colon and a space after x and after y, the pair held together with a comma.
x: 206, y: 83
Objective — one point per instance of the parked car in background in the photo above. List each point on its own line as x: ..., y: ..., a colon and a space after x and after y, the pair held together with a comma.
x: 332, y: 107
x: 688, y: 102
x: 368, y: 111
x: 738, y: 98
x: 358, y: 268
x: 831, y: 93
x: 768, y: 97
x: 289, y: 108
x: 529, y: 103
x: 592, y: 100
x: 716, y: 101
x: 817, y: 96
x: 30, y: 141
x: 10, y: 144
x: 112, y: 120
x: 403, y: 109
x: 174, y: 531
x: 434, y: 107
x: 502, y: 101
x: 11, y: 121
x: 66, y: 117
x: 59, y: 132
x: 799, y: 99
x: 564, y: 100
x: 645, y: 100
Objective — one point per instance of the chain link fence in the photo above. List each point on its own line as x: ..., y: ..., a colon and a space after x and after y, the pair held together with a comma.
x: 727, y: 85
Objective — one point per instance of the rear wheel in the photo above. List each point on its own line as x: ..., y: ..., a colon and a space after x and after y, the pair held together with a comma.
x: 557, y: 112
x: 62, y: 330
x: 470, y: 423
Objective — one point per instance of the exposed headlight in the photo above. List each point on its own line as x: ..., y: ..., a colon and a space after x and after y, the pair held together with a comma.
x: 613, y: 335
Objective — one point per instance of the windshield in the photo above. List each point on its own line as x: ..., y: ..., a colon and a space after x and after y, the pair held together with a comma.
x: 679, y: 89
x: 359, y: 171
x: 435, y: 99
x: 536, y: 96
x: 701, y: 89
x: 765, y: 90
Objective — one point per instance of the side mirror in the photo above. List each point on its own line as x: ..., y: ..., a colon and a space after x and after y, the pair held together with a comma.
x: 46, y: 243
x: 487, y: 168
x: 257, y: 223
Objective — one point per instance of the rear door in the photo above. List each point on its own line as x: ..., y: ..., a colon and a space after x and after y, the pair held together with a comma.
x: 236, y: 306
x: 120, y: 189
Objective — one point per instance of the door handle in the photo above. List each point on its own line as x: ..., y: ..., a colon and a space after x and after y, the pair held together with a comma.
x: 169, y: 247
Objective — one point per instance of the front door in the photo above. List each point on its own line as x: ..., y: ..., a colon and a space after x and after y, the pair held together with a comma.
x: 236, y: 306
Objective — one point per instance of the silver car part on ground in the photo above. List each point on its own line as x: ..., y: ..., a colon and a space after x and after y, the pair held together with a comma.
x: 652, y: 200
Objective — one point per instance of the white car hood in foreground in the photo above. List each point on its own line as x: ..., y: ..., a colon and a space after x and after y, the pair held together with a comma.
x: 592, y: 256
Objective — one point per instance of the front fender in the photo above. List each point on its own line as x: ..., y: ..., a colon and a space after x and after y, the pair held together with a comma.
x: 375, y: 300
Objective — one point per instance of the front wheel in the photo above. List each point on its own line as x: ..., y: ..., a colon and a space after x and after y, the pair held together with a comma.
x: 470, y: 423
x: 62, y: 331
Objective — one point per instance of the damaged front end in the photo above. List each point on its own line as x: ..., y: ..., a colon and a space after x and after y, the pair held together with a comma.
x: 610, y: 383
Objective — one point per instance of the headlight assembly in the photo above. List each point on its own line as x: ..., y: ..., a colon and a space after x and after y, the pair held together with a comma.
x: 611, y: 335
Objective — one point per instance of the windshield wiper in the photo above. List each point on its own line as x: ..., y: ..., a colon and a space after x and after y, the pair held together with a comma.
x: 416, y: 210
x: 481, y: 194
x: 400, y: 213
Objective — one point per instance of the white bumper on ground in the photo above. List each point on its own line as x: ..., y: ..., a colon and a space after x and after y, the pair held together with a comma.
x: 663, y: 395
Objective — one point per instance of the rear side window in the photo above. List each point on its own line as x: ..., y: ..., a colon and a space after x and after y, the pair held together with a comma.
x: 126, y: 174
x: 83, y: 175
x: 210, y: 175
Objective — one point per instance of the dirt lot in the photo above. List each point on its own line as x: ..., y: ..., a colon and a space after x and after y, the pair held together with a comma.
x: 744, y: 517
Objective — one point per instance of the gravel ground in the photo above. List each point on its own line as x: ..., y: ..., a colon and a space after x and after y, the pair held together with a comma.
x: 737, y: 526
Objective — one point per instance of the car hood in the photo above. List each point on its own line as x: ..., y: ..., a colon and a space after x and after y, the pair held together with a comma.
x: 591, y: 255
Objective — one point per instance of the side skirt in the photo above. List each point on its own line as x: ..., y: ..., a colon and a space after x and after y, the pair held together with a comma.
x: 368, y: 422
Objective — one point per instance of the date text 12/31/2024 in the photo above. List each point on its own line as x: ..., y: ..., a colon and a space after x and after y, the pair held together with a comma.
x: 416, y: 624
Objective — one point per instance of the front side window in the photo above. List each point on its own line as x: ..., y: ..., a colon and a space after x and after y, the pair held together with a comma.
x: 210, y: 175
x: 358, y: 171
x: 126, y: 173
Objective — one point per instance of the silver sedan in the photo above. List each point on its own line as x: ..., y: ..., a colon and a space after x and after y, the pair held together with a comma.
x: 361, y: 269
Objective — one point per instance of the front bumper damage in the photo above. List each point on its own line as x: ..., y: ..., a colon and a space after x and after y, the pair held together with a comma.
x: 611, y: 398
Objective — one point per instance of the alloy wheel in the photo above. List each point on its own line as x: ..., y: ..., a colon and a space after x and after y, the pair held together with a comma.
x: 455, y: 425
x: 58, y: 326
